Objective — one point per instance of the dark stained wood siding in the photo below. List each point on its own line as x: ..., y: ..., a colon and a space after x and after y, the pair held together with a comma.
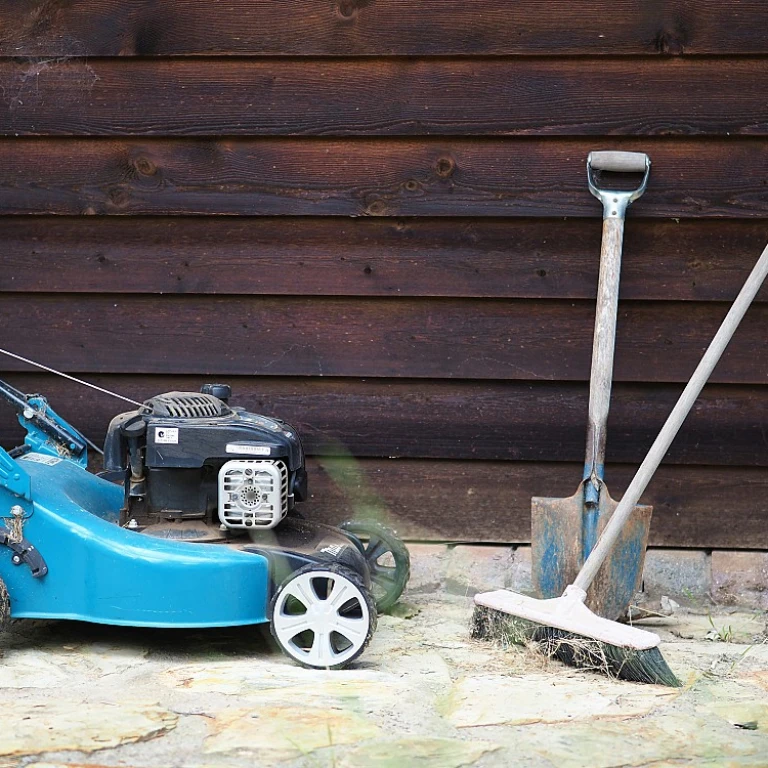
x: 381, y: 27
x: 372, y: 218
x: 390, y: 97
x: 479, y: 177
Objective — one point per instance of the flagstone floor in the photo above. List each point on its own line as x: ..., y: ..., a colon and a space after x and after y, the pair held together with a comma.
x: 423, y: 694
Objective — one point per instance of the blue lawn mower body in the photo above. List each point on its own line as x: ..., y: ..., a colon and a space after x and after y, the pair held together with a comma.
x: 98, y: 571
x: 192, y: 524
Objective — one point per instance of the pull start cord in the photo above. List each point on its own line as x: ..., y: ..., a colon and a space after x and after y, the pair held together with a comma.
x: 67, y: 376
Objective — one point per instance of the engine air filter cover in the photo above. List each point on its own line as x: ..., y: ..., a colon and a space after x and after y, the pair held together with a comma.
x: 253, y: 493
x: 186, y: 405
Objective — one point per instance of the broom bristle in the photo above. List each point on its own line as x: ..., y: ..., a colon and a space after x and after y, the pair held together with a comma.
x: 646, y: 666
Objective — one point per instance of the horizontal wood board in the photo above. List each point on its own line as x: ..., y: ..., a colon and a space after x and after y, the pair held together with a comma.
x: 517, y: 340
x: 370, y: 177
x: 369, y: 97
x: 664, y: 260
x: 384, y: 27
x: 485, y: 421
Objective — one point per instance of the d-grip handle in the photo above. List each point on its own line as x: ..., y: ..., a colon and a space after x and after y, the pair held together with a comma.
x: 615, y: 201
x: 619, y: 162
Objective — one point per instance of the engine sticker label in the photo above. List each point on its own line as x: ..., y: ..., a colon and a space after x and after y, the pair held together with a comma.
x: 249, y: 450
x: 40, y: 458
x: 166, y: 435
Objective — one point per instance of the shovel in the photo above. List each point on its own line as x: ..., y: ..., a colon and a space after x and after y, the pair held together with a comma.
x: 564, y: 531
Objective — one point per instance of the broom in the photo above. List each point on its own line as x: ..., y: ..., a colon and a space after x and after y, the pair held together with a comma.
x: 564, y: 627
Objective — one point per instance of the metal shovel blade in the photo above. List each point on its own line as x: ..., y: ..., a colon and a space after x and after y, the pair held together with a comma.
x: 557, y: 551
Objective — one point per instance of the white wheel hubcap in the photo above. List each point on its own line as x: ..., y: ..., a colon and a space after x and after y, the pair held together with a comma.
x: 321, y: 618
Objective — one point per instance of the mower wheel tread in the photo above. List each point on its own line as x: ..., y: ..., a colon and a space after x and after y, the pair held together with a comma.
x: 296, y: 587
x: 375, y: 540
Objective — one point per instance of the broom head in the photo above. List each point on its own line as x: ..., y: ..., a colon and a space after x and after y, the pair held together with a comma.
x: 565, y: 628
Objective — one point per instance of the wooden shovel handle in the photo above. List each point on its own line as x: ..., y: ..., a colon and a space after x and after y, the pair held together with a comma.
x: 604, y: 343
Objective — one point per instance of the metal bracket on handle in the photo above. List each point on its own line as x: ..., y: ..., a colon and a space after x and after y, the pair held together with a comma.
x: 615, y: 202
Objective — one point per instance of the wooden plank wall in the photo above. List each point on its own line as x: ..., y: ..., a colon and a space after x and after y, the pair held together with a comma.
x: 371, y: 217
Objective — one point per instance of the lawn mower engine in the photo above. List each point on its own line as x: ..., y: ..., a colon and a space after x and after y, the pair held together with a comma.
x: 189, y: 456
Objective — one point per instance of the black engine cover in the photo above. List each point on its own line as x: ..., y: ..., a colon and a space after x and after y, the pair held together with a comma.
x: 189, y: 436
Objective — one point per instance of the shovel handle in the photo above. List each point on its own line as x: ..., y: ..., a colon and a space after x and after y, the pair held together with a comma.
x: 603, y: 344
x: 674, y: 421
x: 615, y: 204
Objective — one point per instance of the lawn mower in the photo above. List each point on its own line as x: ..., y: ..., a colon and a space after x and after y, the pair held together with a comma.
x: 192, y: 523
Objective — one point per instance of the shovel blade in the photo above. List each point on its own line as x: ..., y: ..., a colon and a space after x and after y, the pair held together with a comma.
x: 557, y: 551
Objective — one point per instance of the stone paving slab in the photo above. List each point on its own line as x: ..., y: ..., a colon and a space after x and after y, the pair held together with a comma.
x: 424, y: 693
x: 740, y: 578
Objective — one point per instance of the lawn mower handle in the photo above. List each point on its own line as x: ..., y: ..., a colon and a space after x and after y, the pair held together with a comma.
x: 28, y: 411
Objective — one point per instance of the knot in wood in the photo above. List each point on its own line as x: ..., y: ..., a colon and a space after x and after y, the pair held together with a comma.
x: 347, y: 9
x: 445, y: 166
x: 145, y: 166
x: 118, y: 197
x: 376, y: 208
x: 671, y: 41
